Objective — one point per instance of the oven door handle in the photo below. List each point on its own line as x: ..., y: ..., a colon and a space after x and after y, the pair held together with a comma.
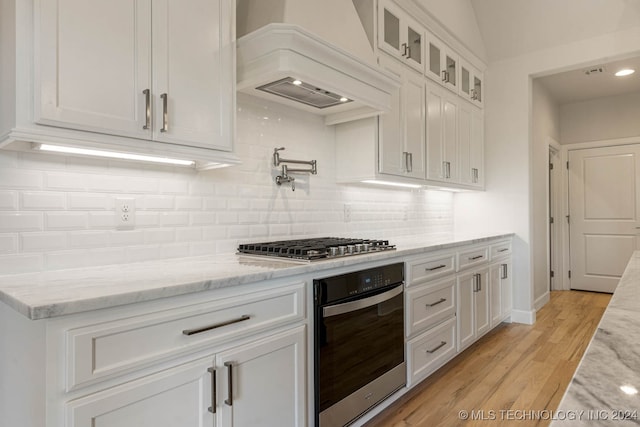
x: 334, y: 310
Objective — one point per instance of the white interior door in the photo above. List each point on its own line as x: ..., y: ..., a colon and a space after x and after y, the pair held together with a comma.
x: 603, y: 209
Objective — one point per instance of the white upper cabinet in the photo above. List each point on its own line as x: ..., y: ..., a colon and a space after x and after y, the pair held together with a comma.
x: 471, y: 83
x: 94, y: 64
x: 400, y: 36
x: 138, y: 76
x: 471, y: 145
x: 401, y: 132
x: 442, y: 63
x: 442, y: 139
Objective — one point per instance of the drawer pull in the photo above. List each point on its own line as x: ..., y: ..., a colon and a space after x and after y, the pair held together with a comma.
x: 212, y: 408
x: 229, y: 366
x: 503, y: 250
x: 217, y: 325
x: 475, y: 257
x: 437, y: 302
x: 438, y: 347
x: 436, y: 267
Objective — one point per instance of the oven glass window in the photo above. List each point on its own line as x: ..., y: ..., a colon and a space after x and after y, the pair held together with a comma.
x: 357, y: 347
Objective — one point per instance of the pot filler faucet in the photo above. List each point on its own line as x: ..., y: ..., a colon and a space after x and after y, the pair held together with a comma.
x: 285, y: 177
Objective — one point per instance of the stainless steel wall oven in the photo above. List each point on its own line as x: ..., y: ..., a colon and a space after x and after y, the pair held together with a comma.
x: 359, y: 342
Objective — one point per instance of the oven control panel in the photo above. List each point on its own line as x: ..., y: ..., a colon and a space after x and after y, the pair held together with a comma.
x: 335, y: 288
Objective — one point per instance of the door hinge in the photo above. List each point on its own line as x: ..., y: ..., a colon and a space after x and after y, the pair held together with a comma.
x: 553, y: 274
x: 567, y: 165
x: 569, y: 274
x: 568, y: 219
x: 551, y: 220
x: 550, y: 166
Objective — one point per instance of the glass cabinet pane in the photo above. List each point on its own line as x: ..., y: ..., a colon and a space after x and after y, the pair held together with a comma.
x: 464, y: 84
x: 451, y: 70
x: 415, y: 44
x: 391, y: 29
x: 477, y: 89
x: 434, y: 59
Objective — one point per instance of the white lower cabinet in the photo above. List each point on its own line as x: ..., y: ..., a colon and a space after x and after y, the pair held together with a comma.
x: 473, y: 306
x: 500, y: 278
x: 431, y: 350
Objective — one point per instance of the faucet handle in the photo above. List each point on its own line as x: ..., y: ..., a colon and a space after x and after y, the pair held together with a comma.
x: 276, y: 156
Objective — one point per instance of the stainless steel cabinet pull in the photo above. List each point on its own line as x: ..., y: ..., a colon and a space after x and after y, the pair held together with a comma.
x: 438, y: 347
x: 147, y: 108
x: 479, y: 282
x: 212, y: 408
x: 217, y: 325
x: 505, y: 273
x: 406, y: 160
x: 503, y: 250
x: 409, y: 54
x: 437, y: 302
x: 410, y: 169
x: 229, y: 366
x: 474, y: 175
x: 475, y: 257
x: 445, y: 76
x: 438, y: 267
x: 404, y: 47
x: 165, y: 113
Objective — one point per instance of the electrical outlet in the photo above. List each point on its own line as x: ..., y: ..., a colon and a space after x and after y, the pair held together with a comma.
x: 347, y: 212
x: 125, y: 212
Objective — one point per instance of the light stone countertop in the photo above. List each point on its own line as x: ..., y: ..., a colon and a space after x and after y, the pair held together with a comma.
x: 595, y: 396
x: 61, y: 292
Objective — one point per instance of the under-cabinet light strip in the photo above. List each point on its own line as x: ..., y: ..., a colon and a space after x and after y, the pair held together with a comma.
x: 112, y: 154
x: 390, y: 183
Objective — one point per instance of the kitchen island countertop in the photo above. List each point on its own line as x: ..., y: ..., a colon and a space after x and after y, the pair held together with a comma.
x: 604, y: 389
x: 62, y: 292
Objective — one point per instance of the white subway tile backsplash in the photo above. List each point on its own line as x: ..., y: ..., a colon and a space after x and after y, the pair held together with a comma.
x: 89, y: 201
x: 20, y: 221
x: 58, y: 212
x: 8, y: 200
x: 66, y: 220
x: 8, y: 243
x: 43, y: 241
x: 42, y: 200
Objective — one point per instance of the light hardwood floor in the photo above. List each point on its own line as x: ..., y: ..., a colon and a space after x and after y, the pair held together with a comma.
x: 513, y: 368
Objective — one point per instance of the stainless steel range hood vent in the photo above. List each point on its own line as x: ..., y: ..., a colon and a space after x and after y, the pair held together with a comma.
x: 297, y: 90
x: 320, y: 43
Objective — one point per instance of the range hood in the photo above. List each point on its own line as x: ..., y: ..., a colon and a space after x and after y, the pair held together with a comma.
x: 312, y: 55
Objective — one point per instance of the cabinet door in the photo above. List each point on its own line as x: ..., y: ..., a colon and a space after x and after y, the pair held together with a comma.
x: 435, y: 149
x: 477, y: 86
x: 92, y: 65
x: 481, y: 303
x: 179, y: 396
x: 390, y: 32
x: 263, y: 383
x: 193, y: 74
x: 414, y: 121
x: 391, y: 133
x: 506, y: 284
x: 470, y: 145
x: 414, y: 35
x: 450, y: 138
x: 465, y: 311
x: 495, y: 293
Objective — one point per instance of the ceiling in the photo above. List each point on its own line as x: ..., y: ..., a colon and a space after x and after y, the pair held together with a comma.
x: 576, y: 86
x: 511, y: 28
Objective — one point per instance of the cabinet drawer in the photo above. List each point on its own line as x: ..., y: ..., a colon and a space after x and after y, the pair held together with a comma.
x: 500, y: 249
x: 429, y: 268
x: 427, y: 305
x: 472, y: 257
x: 429, y: 351
x: 105, y: 349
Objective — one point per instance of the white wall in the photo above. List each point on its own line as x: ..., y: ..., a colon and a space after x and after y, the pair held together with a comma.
x: 58, y: 212
x: 545, y: 124
x: 600, y: 119
x: 507, y: 203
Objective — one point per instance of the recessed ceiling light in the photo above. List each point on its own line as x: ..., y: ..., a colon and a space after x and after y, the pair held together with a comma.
x: 344, y: 99
x: 297, y: 82
x: 629, y: 389
x: 625, y: 72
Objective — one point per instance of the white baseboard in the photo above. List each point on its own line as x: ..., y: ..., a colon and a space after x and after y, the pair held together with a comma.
x: 542, y: 300
x: 528, y: 317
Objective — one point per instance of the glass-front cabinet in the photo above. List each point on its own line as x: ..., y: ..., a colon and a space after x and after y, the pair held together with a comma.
x: 443, y: 63
x: 400, y: 37
x: 471, y: 83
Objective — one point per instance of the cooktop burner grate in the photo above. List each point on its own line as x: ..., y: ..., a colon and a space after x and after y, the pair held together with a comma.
x: 316, y: 248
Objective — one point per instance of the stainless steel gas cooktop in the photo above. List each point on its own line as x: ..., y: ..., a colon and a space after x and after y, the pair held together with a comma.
x: 315, y: 249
